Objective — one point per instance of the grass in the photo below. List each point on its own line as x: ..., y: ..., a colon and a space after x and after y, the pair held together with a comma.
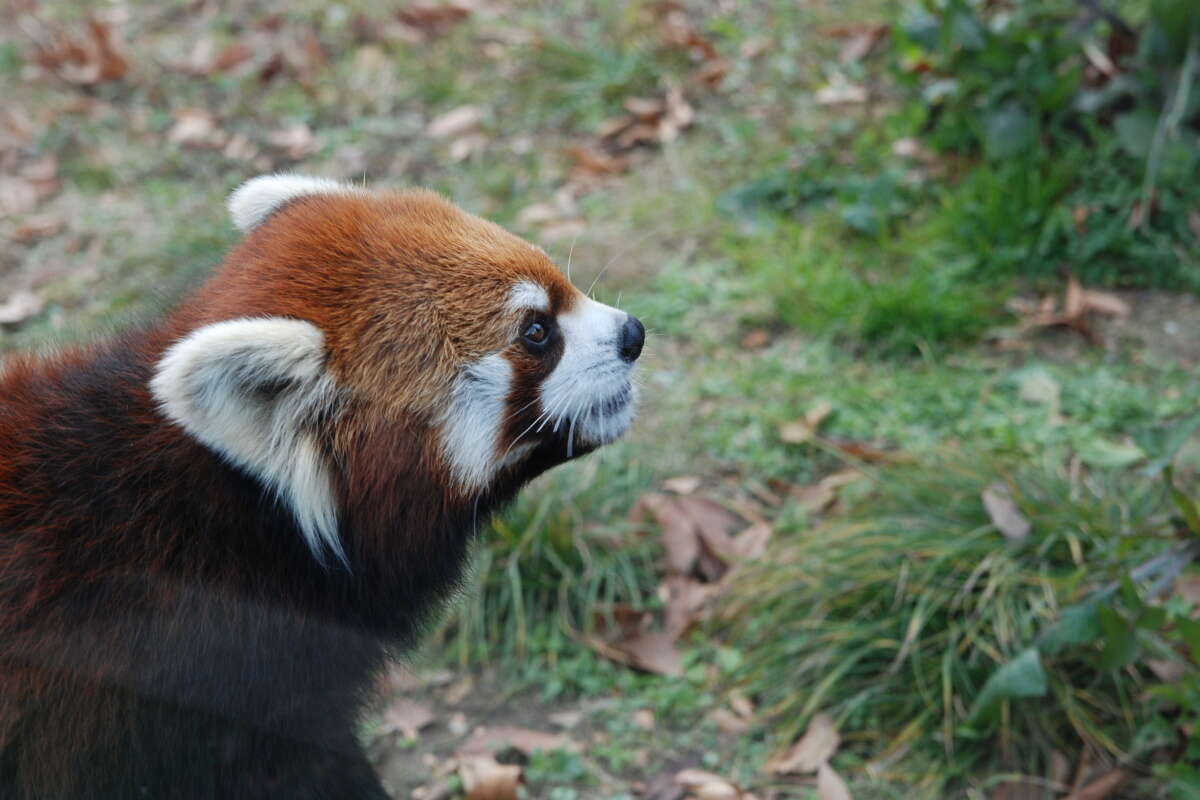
x: 906, y: 647
x: 876, y: 282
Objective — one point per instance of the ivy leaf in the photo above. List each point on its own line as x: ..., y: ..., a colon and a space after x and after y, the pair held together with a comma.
x: 1077, y: 625
x: 1120, y: 639
x: 1024, y: 676
x: 1008, y: 131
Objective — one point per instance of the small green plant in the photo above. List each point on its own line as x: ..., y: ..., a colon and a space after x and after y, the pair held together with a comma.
x: 1082, y: 129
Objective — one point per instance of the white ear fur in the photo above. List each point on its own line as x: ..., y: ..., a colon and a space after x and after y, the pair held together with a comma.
x: 258, y: 198
x: 247, y: 389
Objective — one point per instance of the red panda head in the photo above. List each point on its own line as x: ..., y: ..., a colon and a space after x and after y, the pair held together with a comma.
x: 346, y: 312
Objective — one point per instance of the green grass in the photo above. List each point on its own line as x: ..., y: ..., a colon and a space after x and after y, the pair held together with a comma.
x: 906, y: 643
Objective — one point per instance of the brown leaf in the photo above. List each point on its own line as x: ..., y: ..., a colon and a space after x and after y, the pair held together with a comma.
x: 485, y: 779
x: 683, y: 484
x: 296, y: 140
x: 1105, y: 303
x: 35, y: 228
x: 647, y: 109
x: 457, y: 692
x: 1004, y: 512
x: 824, y: 493
x: 195, y: 127
x: 830, y: 785
x: 651, y: 651
x: 864, y: 451
x: 644, y: 719
x: 712, y: 72
x: 17, y: 196
x: 801, y: 430
x: 455, y: 123
x: 814, y: 748
x: 1017, y: 790
x: 434, y: 19
x: 679, y: 115
x: 686, y: 601
x: 729, y: 722
x: 756, y: 339
x: 95, y: 58
x: 678, y: 530
x: 407, y: 717
x: 593, y: 162
x: 485, y: 740
x: 1102, y: 787
x: 860, y: 44
x: 705, y: 785
x: 751, y: 543
x: 19, y: 307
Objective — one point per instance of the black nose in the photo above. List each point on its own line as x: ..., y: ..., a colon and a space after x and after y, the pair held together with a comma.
x: 631, y: 338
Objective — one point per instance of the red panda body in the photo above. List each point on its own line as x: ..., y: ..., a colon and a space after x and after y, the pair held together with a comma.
x: 215, y: 530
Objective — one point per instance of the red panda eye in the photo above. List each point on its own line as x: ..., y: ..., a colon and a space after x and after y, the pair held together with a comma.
x: 536, y: 333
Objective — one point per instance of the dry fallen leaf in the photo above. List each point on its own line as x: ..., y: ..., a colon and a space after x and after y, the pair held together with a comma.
x: 683, y: 484
x: 1078, y: 302
x: 19, y: 307
x: 296, y: 140
x: 457, y: 692
x: 756, y: 339
x: 729, y: 722
x: 484, y: 740
x: 678, y: 531
x: 705, y: 785
x: 650, y: 651
x: 195, y: 127
x: 801, y: 430
x: 686, y: 601
x: 592, y: 162
x: 830, y: 785
x: 406, y: 717
x: 86, y: 61
x: 814, y: 748
x: 17, y: 196
x: 824, y: 493
x: 1004, y: 512
x: 861, y: 41
x: 34, y: 228
x: 1102, y: 787
x: 455, y: 122
x: 434, y: 19
x: 485, y: 779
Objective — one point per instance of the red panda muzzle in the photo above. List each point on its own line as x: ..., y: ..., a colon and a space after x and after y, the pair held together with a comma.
x: 216, y: 529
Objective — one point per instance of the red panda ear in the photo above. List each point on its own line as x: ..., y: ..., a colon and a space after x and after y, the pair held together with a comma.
x: 250, y: 390
x: 258, y: 198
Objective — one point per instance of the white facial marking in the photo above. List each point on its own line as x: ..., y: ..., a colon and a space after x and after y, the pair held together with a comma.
x: 258, y: 198
x: 590, y: 389
x: 473, y: 419
x: 247, y: 389
x: 528, y: 294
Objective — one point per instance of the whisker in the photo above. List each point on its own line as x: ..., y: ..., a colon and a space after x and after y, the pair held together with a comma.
x: 570, y: 253
x: 623, y: 251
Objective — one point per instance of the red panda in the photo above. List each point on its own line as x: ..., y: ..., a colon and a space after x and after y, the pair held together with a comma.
x: 215, y: 530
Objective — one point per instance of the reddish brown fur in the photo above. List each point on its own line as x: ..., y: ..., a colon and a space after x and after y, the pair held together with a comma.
x: 135, y: 563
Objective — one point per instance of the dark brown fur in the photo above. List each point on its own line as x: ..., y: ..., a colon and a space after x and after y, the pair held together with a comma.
x: 164, y: 629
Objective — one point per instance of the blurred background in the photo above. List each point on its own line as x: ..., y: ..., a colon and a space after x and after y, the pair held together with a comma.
x: 911, y: 509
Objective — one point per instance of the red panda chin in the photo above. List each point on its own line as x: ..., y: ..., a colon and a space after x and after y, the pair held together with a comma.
x: 215, y: 530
